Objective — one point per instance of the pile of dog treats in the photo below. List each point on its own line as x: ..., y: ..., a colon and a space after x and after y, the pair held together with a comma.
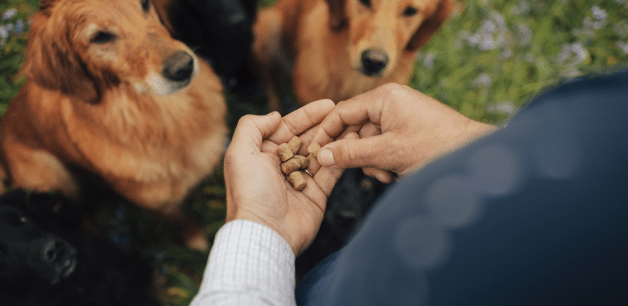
x: 292, y: 163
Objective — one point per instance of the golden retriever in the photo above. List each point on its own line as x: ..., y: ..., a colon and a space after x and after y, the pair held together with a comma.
x: 336, y: 49
x: 112, y: 94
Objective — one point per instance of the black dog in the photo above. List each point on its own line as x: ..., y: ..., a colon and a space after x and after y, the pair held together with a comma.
x: 46, y: 258
x: 347, y: 206
x: 219, y: 31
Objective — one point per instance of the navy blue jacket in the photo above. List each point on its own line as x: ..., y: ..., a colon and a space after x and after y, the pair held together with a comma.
x: 533, y: 214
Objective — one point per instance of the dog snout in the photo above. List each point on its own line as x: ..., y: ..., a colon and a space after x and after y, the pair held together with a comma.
x: 373, y: 61
x: 59, y: 257
x: 179, y: 67
x: 237, y: 22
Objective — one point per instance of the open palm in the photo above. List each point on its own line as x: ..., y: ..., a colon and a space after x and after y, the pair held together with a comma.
x: 257, y: 190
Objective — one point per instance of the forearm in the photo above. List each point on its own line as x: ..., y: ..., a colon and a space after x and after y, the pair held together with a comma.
x: 249, y: 264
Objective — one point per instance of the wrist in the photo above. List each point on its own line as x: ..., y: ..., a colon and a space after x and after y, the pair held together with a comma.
x: 243, y: 217
x: 475, y: 129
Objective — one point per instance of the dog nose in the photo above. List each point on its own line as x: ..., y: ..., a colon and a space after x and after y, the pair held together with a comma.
x: 237, y: 22
x: 179, y: 66
x: 374, y: 61
x: 59, y: 257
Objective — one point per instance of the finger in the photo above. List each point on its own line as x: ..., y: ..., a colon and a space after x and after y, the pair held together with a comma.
x: 320, y: 137
x: 315, y: 165
x: 302, y: 120
x: 366, y: 107
x: 369, y: 130
x: 377, y: 151
x: 383, y: 176
x: 251, y: 130
x: 327, y: 177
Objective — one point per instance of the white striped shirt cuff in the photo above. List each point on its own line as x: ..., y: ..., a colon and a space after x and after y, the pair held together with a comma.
x: 249, y: 264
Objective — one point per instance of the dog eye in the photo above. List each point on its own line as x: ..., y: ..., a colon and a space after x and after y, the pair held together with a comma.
x: 366, y: 3
x: 145, y: 5
x: 409, y: 11
x: 102, y: 37
x: 14, y: 218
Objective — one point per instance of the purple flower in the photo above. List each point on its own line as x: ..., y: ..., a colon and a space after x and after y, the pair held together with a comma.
x: 572, y: 54
x: 522, y: 8
x: 621, y: 28
x: 623, y: 46
x: 4, y: 32
x: 524, y: 34
x: 506, y: 107
x: 8, y: 14
x: 599, y: 13
x: 580, y: 52
x: 483, y: 80
x: 19, y: 27
x: 428, y: 60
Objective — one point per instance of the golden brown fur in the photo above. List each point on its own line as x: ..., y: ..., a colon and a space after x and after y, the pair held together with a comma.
x: 320, y: 44
x: 98, y: 99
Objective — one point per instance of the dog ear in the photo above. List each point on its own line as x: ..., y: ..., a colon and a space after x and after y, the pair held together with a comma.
x: 46, y: 4
x: 337, y: 16
x: 163, y: 9
x: 430, y: 25
x: 51, y: 63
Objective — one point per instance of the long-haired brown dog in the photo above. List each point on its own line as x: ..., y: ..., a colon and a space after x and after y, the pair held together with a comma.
x: 336, y: 49
x: 111, y: 93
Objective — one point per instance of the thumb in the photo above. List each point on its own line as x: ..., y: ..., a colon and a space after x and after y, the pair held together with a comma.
x: 375, y: 151
x: 252, y: 130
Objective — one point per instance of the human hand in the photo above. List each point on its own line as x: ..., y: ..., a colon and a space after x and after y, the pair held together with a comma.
x: 400, y: 130
x: 257, y: 190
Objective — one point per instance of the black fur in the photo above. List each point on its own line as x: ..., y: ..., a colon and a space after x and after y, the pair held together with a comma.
x: 347, y: 206
x: 221, y: 32
x: 102, y: 273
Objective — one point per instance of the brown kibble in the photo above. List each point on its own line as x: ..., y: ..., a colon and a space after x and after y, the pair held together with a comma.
x: 313, y: 149
x: 295, y: 144
x: 295, y: 163
x: 297, y: 180
x: 291, y: 165
x: 292, y: 162
x: 285, y: 152
x: 304, y: 162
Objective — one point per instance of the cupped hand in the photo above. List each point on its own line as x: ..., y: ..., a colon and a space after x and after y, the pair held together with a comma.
x: 257, y: 190
x: 400, y: 130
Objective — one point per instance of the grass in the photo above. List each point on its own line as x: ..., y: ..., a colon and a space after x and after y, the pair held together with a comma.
x: 488, y: 60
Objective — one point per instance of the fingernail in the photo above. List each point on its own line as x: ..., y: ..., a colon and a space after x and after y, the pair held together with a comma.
x: 326, y: 157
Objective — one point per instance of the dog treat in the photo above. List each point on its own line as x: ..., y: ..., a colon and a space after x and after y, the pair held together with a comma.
x: 293, y: 162
x: 303, y: 161
x: 291, y: 165
x: 297, y: 180
x: 285, y: 152
x: 295, y: 144
x: 313, y: 149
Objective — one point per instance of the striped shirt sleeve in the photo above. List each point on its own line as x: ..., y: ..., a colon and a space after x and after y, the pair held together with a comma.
x: 249, y: 264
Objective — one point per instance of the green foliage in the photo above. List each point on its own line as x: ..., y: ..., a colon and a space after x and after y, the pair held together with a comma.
x: 493, y: 56
x: 487, y: 60
x: 13, y: 38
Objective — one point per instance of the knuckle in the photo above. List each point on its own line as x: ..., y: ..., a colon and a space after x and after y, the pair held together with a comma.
x: 246, y: 119
x: 349, y: 154
x: 391, y: 88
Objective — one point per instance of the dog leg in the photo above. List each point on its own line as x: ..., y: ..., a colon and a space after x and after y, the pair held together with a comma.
x: 39, y: 170
x: 267, y: 50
